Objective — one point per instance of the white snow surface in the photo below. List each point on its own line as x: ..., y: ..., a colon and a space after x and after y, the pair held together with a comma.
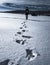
x: 38, y: 28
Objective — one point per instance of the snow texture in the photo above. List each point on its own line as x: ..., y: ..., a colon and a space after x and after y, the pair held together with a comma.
x: 36, y: 32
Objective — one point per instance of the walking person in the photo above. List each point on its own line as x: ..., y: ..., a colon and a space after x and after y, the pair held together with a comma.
x: 26, y: 13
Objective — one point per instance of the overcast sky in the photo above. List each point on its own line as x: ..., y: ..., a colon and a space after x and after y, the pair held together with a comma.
x: 28, y: 1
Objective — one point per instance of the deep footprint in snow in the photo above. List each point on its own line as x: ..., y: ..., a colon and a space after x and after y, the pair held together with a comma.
x: 26, y: 36
x: 25, y: 26
x: 19, y: 33
x: 5, y: 62
x: 23, y: 42
x: 18, y: 41
x: 21, y: 27
x: 23, y: 30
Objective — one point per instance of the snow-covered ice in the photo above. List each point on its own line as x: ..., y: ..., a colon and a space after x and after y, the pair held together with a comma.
x: 38, y: 27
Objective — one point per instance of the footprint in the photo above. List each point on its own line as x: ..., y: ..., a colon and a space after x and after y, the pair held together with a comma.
x: 21, y: 27
x: 23, y: 30
x: 24, y: 26
x: 5, y: 62
x: 18, y: 41
x: 23, y: 42
x: 26, y: 36
x: 18, y: 32
x: 23, y: 23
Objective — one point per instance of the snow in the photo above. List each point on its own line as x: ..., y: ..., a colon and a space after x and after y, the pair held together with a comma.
x: 38, y: 27
x: 32, y: 58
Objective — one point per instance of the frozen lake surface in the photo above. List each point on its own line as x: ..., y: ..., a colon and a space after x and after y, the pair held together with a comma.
x: 36, y: 33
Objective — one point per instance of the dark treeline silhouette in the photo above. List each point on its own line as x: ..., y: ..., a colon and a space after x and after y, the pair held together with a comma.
x: 33, y: 13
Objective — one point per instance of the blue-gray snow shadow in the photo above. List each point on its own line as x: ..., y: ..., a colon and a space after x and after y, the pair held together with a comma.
x: 28, y: 19
x: 5, y: 62
x: 22, y: 60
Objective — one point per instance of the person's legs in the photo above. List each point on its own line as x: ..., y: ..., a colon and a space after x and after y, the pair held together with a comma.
x: 26, y: 17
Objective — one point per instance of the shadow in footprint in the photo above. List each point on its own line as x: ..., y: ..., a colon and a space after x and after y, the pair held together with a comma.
x: 18, y: 32
x: 18, y: 41
x: 5, y: 62
x: 21, y: 27
x: 26, y: 36
x: 23, y: 42
x: 25, y: 26
x: 23, y: 30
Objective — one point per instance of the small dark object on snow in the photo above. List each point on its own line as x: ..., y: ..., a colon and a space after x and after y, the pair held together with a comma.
x: 18, y: 41
x: 25, y: 26
x: 23, y: 30
x: 26, y: 36
x: 18, y: 32
x: 20, y: 27
x: 23, y: 42
x: 5, y: 62
x: 29, y: 53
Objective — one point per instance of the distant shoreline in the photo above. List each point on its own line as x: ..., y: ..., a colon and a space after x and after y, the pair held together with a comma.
x: 33, y: 13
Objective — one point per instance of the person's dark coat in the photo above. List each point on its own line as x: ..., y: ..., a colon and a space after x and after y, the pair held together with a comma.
x: 26, y: 11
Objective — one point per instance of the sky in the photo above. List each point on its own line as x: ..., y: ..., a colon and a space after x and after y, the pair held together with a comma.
x: 27, y: 1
